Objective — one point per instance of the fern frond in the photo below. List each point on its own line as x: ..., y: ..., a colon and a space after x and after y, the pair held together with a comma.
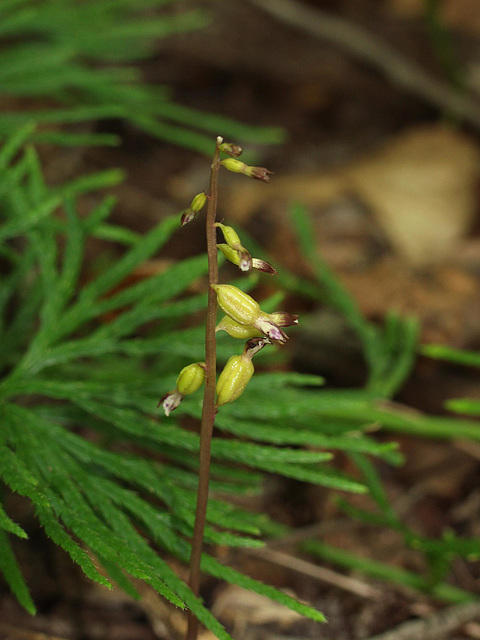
x: 13, y: 575
x: 8, y: 525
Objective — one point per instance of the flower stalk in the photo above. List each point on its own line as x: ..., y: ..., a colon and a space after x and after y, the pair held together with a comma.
x: 208, y: 409
x: 245, y: 320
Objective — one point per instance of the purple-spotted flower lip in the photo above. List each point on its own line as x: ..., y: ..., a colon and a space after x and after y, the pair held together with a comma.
x: 270, y: 329
x: 244, y: 259
x: 171, y: 401
x: 187, y: 216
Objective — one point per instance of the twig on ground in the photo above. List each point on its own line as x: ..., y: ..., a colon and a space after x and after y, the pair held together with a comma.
x: 353, y: 585
x: 435, y: 627
x: 374, y: 51
x: 17, y: 633
x: 300, y: 534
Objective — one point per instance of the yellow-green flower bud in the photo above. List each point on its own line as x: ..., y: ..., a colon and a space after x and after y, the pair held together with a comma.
x: 236, y: 166
x: 235, y: 330
x: 196, y: 205
x: 237, y: 304
x: 191, y: 378
x: 232, y: 149
x: 233, y: 379
x: 229, y: 253
x: 198, y: 202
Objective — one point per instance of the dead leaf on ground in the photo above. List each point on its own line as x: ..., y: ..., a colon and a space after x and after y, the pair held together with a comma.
x: 235, y: 604
x: 420, y: 187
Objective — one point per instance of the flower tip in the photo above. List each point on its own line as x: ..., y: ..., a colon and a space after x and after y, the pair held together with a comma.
x: 260, y: 173
x: 271, y: 329
x: 277, y: 335
x: 283, y: 318
x: 233, y: 150
x: 187, y: 216
x: 263, y: 265
x: 170, y: 402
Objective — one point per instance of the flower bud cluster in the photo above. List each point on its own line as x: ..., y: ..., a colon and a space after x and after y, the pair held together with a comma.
x: 244, y: 317
x: 246, y: 312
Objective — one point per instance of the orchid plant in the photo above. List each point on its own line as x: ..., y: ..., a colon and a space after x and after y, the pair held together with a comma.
x: 244, y: 320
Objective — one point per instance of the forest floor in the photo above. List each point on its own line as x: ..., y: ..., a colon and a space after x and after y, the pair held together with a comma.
x: 390, y: 176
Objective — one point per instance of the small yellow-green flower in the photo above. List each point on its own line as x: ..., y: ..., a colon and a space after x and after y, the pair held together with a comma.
x: 237, y: 304
x: 189, y: 380
x: 239, y: 255
x: 232, y: 255
x: 237, y: 166
x: 246, y: 311
x: 196, y: 205
x: 233, y: 150
x: 238, y: 372
x: 233, y: 379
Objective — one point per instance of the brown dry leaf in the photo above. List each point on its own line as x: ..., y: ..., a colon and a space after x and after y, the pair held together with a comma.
x: 236, y: 605
x: 405, y: 8
x: 463, y: 15
x: 456, y: 14
x: 421, y: 188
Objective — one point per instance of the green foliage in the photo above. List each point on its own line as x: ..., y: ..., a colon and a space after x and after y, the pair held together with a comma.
x: 390, y: 353
x: 75, y: 55
x: 84, y: 358
x: 84, y: 353
x: 382, y: 571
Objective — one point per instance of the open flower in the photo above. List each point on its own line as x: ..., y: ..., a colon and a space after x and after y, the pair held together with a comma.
x: 246, y: 311
x: 256, y: 263
x: 238, y: 252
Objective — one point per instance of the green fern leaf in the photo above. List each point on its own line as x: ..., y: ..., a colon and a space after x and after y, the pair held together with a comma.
x: 13, y: 575
x: 7, y: 524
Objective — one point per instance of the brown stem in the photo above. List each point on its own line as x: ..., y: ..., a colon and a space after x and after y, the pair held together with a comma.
x: 208, y: 411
